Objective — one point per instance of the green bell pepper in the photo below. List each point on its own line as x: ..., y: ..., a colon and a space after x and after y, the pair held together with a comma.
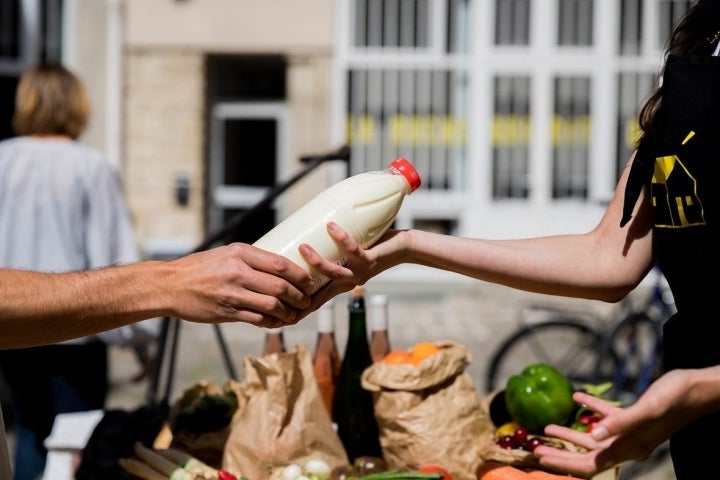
x: 538, y: 396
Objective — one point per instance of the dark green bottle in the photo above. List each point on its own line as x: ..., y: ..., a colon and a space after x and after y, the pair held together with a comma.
x: 353, y: 410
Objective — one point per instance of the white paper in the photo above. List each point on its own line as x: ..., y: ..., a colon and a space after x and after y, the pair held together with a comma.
x: 71, y: 431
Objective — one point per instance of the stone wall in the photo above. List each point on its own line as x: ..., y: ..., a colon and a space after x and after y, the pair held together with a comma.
x: 164, y: 138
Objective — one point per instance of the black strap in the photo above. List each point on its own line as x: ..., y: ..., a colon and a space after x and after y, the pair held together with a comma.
x: 640, y: 173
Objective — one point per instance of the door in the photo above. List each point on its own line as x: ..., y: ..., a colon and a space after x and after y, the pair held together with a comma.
x: 248, y: 143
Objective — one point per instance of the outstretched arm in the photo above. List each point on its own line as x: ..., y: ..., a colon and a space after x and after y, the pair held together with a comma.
x: 233, y: 283
x: 632, y: 433
x: 603, y: 264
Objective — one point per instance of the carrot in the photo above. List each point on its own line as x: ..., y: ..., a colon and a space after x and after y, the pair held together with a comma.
x: 501, y: 471
x: 544, y: 475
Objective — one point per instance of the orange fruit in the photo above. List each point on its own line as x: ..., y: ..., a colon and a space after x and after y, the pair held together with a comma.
x: 421, y: 351
x: 399, y: 357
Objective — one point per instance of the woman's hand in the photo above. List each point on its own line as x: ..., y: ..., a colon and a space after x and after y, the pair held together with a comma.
x: 633, y: 432
x: 359, y: 264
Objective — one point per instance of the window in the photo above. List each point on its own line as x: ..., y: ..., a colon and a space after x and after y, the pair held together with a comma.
x: 416, y: 113
x: 511, y: 137
x: 25, y: 39
x: 458, y: 26
x: 670, y: 12
x: 392, y: 23
x: 575, y: 22
x: 30, y: 32
x: 630, y: 26
x: 570, y: 136
x: 512, y: 22
x: 10, y: 30
x: 633, y: 88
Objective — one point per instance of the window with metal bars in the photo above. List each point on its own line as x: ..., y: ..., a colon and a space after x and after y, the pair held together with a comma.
x: 570, y: 137
x: 391, y: 23
x: 419, y: 114
x: 511, y: 129
x: 512, y: 22
x: 670, y: 12
x: 630, y: 27
x: 633, y: 88
x: 631, y: 23
x: 575, y: 22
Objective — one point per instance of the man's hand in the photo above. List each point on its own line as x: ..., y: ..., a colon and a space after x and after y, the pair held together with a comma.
x: 238, y: 282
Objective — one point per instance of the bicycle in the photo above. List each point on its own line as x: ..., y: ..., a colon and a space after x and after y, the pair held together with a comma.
x: 623, y: 348
x: 588, y: 348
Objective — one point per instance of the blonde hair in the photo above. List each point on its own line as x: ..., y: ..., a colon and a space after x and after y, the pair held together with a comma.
x: 50, y: 100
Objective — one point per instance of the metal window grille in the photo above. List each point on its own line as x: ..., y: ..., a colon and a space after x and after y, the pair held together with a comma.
x: 547, y: 122
x: 511, y: 129
x: 512, y: 22
x: 458, y: 26
x: 670, y: 13
x: 575, y: 22
x: 633, y: 88
x: 391, y: 23
x: 415, y: 113
x: 630, y: 27
x: 570, y: 134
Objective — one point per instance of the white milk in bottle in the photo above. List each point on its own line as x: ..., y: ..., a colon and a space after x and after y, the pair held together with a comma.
x: 364, y: 205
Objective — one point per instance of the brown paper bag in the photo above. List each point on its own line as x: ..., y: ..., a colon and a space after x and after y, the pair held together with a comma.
x: 430, y: 413
x: 284, y: 421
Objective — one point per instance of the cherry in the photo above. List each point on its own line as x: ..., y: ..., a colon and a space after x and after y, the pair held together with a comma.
x: 535, y: 442
x: 521, y: 435
x: 506, y: 442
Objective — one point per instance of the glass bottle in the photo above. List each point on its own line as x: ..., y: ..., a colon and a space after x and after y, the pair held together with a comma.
x: 274, y: 341
x: 326, y: 359
x: 353, y: 410
x: 379, y: 339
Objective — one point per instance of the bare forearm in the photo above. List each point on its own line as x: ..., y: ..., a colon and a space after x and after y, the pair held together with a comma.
x: 568, y: 265
x: 703, y: 390
x: 40, y: 308
x: 232, y: 283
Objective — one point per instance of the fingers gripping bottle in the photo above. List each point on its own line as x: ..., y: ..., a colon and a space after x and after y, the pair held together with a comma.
x: 364, y: 205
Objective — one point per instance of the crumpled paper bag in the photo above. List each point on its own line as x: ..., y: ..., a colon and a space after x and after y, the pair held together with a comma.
x: 430, y: 413
x: 284, y: 421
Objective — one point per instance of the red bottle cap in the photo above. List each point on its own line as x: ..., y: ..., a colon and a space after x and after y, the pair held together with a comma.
x: 406, y: 168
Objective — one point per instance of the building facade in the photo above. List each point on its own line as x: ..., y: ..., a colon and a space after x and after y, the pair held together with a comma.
x: 519, y: 114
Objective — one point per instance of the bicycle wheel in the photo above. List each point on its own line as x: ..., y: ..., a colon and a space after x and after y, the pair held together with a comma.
x: 570, y: 346
x: 636, y: 343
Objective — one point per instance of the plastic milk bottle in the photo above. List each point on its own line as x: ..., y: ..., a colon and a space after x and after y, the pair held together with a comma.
x: 364, y: 205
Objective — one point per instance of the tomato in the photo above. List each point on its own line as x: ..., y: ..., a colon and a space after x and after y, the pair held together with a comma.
x: 224, y: 475
x: 436, y: 469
